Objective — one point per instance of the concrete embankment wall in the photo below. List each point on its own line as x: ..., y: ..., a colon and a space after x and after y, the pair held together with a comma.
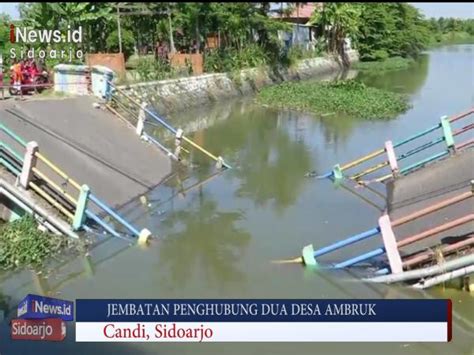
x: 178, y: 94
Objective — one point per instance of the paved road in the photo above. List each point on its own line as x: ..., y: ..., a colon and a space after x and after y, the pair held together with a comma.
x: 427, y: 186
x: 92, y: 145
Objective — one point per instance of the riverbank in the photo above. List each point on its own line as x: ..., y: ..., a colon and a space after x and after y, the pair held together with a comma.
x: 451, y: 38
x: 393, y: 63
x: 179, y: 94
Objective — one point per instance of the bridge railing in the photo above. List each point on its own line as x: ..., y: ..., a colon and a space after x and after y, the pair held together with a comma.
x: 123, y: 106
x: 391, y: 245
x: 391, y: 160
x: 63, y: 192
x: 137, y: 110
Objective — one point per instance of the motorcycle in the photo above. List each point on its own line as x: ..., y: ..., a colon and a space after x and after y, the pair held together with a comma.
x: 28, y: 83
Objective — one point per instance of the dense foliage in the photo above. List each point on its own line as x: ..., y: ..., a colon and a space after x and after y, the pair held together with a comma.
x: 245, y: 34
x: 450, y: 30
x: 390, y: 30
x: 350, y: 98
x: 383, y: 30
x: 23, y: 245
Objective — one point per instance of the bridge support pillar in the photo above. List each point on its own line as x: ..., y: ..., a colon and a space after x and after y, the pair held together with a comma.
x: 390, y: 244
x: 448, y: 134
x: 80, y: 214
x: 392, y: 158
x: 29, y: 163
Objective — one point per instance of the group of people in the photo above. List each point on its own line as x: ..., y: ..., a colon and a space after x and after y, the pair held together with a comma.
x: 24, y: 69
x: 25, y: 75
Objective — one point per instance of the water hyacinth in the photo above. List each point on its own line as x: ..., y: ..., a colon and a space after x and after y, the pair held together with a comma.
x: 23, y: 245
x: 347, y: 97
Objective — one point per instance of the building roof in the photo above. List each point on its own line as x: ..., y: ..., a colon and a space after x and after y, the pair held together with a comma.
x: 305, y: 10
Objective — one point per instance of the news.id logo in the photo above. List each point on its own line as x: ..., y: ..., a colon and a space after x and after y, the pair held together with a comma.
x: 46, y: 43
x: 42, y: 318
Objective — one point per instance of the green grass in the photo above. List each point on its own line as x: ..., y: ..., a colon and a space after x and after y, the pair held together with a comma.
x: 394, y: 63
x: 350, y: 98
x: 456, y: 38
x: 23, y: 245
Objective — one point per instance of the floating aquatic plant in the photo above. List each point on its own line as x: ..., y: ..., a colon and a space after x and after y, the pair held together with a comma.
x: 23, y: 245
x: 348, y: 97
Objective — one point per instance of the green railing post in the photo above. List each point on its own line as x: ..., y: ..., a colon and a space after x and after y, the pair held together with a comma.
x: 448, y: 133
x: 80, y: 214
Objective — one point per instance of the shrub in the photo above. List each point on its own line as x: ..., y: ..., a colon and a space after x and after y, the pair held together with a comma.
x: 128, y: 42
x: 149, y: 68
x: 230, y: 59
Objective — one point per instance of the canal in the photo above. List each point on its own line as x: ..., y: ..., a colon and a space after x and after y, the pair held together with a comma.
x: 219, y: 233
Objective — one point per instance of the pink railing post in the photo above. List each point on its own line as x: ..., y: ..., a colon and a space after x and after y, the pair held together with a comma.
x: 392, y: 158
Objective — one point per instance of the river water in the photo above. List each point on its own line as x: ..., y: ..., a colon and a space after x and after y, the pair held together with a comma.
x: 219, y: 233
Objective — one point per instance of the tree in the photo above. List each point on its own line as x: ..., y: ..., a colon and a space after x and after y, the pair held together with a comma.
x: 95, y: 18
x: 339, y: 20
x: 390, y: 29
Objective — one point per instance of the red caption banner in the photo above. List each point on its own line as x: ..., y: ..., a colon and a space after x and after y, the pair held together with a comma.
x: 50, y: 329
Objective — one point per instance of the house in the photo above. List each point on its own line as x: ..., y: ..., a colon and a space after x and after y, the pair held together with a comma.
x: 302, y: 33
x: 302, y: 12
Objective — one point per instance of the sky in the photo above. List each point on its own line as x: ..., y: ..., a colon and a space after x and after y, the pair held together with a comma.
x: 448, y: 9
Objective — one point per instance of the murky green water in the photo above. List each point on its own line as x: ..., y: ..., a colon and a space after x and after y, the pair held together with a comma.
x: 219, y: 233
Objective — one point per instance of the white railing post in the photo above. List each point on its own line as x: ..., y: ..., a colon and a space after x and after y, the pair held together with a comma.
x: 29, y: 163
x: 141, y: 119
x: 177, y: 142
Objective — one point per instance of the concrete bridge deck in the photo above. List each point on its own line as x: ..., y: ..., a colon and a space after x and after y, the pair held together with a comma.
x: 91, y: 145
x: 434, y: 183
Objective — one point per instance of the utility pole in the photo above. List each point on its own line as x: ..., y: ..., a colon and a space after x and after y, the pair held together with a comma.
x: 119, y: 30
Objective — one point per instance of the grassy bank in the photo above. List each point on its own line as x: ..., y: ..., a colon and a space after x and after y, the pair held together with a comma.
x: 453, y: 37
x: 350, y: 98
x: 394, y: 63
x: 23, y: 245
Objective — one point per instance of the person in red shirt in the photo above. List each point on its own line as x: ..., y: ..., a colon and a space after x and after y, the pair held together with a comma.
x: 33, y: 70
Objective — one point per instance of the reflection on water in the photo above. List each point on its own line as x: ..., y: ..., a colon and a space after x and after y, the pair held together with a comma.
x: 215, y: 255
x: 218, y: 232
x: 408, y: 81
